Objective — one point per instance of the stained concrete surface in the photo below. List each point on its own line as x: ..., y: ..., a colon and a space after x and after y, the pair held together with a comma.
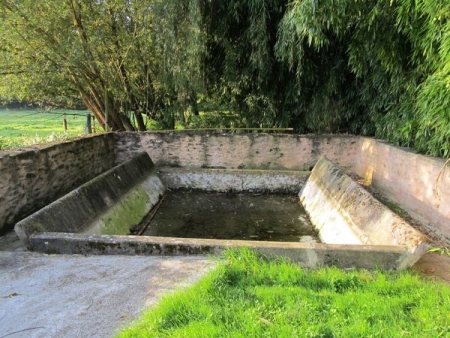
x: 237, y: 180
x: 77, y: 296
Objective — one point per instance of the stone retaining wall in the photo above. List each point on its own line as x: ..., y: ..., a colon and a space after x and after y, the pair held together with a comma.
x: 237, y: 151
x: 30, y: 180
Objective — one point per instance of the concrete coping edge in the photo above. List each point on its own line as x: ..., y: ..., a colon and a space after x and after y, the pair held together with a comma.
x: 311, y: 255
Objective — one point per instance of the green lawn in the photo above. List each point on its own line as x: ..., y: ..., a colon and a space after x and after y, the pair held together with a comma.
x: 21, y: 127
x: 249, y: 296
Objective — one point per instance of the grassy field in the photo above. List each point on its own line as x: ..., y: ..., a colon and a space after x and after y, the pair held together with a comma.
x: 22, y: 127
x: 249, y: 296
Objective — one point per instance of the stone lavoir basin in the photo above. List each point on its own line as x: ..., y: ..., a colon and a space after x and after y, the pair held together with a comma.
x: 230, y: 216
x: 316, y: 218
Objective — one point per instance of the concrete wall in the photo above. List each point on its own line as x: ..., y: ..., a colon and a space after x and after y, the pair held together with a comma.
x: 418, y: 183
x: 237, y: 151
x: 30, y: 180
x: 311, y: 255
x: 236, y: 180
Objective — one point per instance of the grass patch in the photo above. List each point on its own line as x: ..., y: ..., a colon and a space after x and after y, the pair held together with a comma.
x: 24, y: 127
x: 250, y: 296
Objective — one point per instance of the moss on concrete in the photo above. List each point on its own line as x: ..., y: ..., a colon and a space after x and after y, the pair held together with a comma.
x: 128, y: 212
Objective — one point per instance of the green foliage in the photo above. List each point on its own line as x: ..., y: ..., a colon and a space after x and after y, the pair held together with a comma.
x: 442, y: 251
x: 378, y: 67
x: 422, y: 119
x: 117, y: 56
x: 251, y: 296
x: 240, y: 67
x: 214, y: 120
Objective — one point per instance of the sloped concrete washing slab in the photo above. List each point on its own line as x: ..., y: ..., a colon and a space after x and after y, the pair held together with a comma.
x: 345, y: 213
x: 109, y: 203
x: 355, y: 229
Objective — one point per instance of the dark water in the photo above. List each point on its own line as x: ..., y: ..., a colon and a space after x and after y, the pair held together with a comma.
x: 232, y: 216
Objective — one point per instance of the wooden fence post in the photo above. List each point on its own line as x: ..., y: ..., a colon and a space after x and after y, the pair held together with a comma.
x: 88, y: 124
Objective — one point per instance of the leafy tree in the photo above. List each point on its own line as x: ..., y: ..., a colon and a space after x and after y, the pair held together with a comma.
x: 378, y: 67
x: 240, y: 67
x: 375, y: 67
x: 429, y: 127
x: 112, y: 54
